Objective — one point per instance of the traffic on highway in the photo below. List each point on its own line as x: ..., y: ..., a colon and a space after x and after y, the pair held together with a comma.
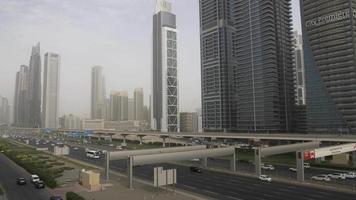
x: 214, y: 183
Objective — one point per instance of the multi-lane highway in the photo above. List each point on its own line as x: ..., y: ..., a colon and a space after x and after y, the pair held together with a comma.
x: 9, y: 172
x: 223, y: 186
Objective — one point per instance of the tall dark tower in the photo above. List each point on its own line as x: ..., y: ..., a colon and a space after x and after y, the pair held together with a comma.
x: 35, y: 88
x: 165, y: 105
x: 329, y: 39
x: 247, y: 69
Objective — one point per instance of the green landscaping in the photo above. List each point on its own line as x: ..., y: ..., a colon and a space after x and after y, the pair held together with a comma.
x: 73, y: 196
x: 45, y: 166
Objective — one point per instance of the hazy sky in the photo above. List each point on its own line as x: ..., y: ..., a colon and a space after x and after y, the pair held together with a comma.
x: 115, y: 34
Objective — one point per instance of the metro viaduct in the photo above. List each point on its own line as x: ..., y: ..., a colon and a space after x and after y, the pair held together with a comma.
x: 247, y: 136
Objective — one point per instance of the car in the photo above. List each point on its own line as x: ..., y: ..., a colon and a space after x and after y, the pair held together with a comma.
x: 292, y: 169
x: 350, y: 174
x: 55, y: 198
x: 21, y: 181
x: 267, y: 167
x: 265, y: 178
x: 195, y: 169
x: 75, y: 148
x: 195, y: 160
x: 322, y: 177
x: 306, y: 165
x: 119, y: 147
x: 34, y: 178
x: 111, y: 145
x: 39, y: 184
x: 337, y: 176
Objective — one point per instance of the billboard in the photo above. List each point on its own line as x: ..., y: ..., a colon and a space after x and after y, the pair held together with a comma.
x: 329, y: 151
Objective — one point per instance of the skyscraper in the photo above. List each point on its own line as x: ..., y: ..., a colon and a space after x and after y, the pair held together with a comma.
x: 98, y: 94
x: 247, y: 70
x: 21, y: 102
x: 138, y: 104
x: 119, y: 106
x: 34, y: 93
x: 299, y: 72
x: 131, y: 113
x: 4, y: 111
x: 165, y: 105
x: 330, y: 64
x: 51, y: 82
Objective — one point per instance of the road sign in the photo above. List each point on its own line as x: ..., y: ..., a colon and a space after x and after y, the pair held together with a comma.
x: 329, y: 151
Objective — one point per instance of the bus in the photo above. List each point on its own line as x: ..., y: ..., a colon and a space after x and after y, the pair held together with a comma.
x: 93, y: 154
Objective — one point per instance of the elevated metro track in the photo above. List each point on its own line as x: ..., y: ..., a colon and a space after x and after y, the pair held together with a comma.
x: 214, y: 135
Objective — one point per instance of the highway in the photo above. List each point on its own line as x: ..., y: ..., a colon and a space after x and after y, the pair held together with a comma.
x: 225, y: 186
x: 221, y: 185
x: 9, y: 172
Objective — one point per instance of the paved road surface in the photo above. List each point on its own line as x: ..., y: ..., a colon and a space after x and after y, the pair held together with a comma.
x: 225, y: 186
x: 9, y: 172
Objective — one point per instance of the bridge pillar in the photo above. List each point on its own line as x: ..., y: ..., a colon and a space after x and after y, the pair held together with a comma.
x: 107, y: 166
x: 129, y: 171
x: 233, y: 162
x: 124, y: 138
x: 164, y: 138
x: 258, y: 161
x: 300, y: 165
x: 353, y: 157
x: 141, y: 138
x: 205, y: 162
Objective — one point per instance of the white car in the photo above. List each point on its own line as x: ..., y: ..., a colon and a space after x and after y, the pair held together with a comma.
x: 34, y: 178
x: 119, y: 147
x: 111, y: 145
x: 195, y: 160
x: 306, y: 165
x: 265, y: 178
x: 321, y: 178
x: 350, y: 175
x: 292, y: 169
x: 267, y: 167
x: 337, y: 176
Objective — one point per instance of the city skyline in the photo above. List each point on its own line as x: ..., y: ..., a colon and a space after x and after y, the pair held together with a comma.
x: 115, y: 59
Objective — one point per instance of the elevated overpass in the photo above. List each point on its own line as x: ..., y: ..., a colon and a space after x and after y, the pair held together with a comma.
x: 221, y: 135
x: 249, y: 136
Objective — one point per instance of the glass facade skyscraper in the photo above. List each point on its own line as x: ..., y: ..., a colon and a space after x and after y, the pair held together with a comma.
x: 329, y: 29
x: 51, y: 82
x: 247, y: 69
x: 165, y: 104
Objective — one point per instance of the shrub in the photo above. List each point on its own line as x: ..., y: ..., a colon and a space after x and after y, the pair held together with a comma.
x: 73, y: 196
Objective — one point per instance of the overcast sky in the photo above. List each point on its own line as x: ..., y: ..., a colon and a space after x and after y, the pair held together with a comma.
x: 115, y: 34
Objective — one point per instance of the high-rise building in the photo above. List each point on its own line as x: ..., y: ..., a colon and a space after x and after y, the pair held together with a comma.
x: 98, y: 94
x: 4, y: 111
x: 119, y: 106
x: 131, y: 108
x: 51, y: 82
x: 330, y: 63
x: 189, y: 122
x: 21, y: 102
x: 34, y: 93
x: 165, y: 105
x: 299, y: 72
x: 246, y: 63
x: 71, y: 122
x: 138, y: 104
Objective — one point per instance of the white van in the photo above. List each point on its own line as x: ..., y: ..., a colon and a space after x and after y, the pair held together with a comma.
x: 34, y: 178
x: 93, y: 154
